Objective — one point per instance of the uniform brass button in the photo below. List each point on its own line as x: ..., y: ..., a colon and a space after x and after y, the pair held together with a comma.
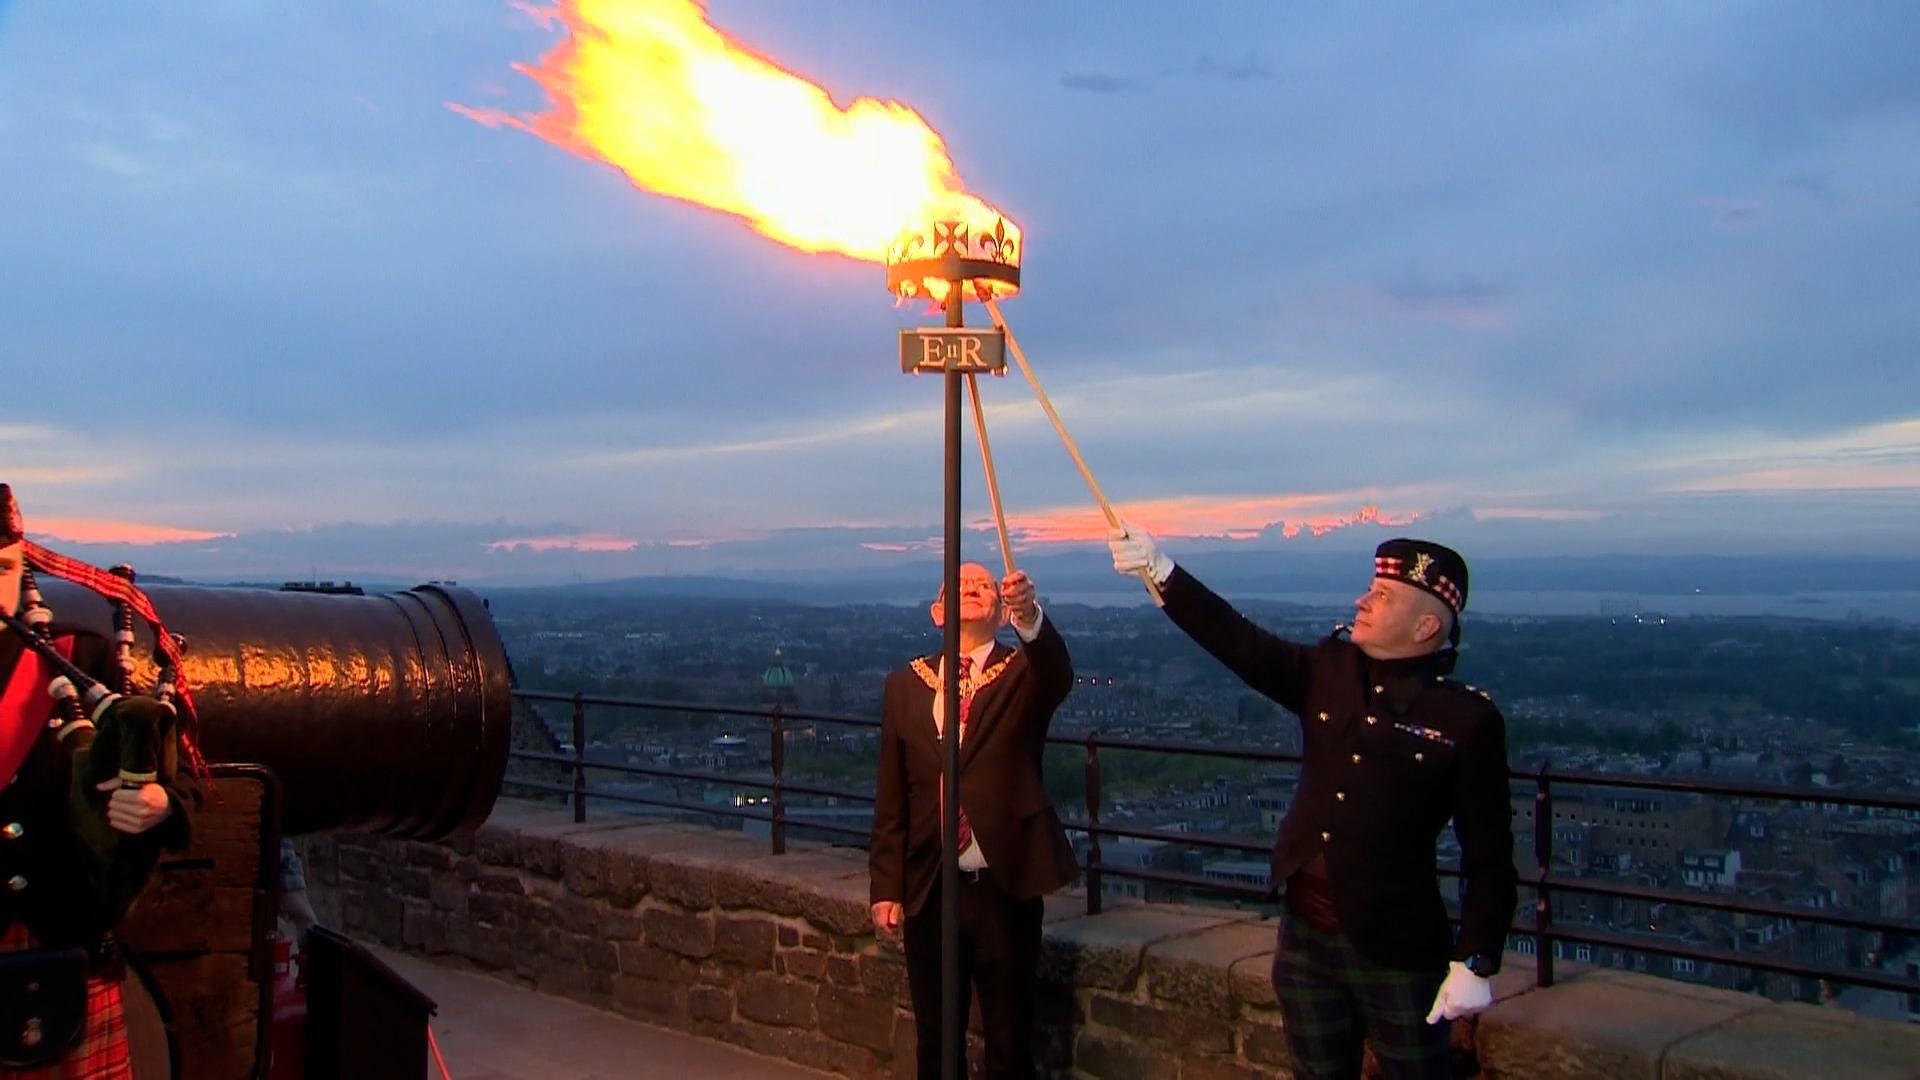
x: 1373, y: 720
x: 1379, y: 689
x: 1326, y: 836
x: 16, y: 883
x: 1323, y: 717
x: 1418, y: 756
x: 12, y: 830
x: 1340, y: 795
x: 31, y: 1034
x: 1356, y: 759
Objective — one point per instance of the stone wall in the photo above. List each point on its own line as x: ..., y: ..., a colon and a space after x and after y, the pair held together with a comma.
x: 704, y: 931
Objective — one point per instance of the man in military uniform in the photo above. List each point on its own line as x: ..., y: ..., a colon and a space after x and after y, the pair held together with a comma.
x: 1393, y: 751
x: 60, y: 1010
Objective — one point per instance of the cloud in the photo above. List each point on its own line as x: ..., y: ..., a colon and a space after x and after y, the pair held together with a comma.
x: 1874, y: 457
x: 1467, y: 302
x: 1094, y: 82
x: 1735, y: 213
x: 316, y: 313
x: 134, y: 533
x: 1248, y: 68
x: 569, y: 542
x: 1535, y: 513
x: 1242, y: 517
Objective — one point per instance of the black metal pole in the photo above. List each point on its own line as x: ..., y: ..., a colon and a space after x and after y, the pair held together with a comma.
x: 579, y: 757
x: 953, y: 1031
x: 1543, y: 858
x: 777, y: 758
x: 1094, y: 883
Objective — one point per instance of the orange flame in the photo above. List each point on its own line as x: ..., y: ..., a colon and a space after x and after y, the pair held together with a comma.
x: 652, y: 88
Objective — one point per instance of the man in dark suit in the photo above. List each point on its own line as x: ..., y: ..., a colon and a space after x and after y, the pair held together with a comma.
x: 1013, y: 848
x: 1393, y: 750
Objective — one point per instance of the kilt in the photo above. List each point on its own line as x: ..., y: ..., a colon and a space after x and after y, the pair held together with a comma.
x: 1335, y: 1002
x: 101, y: 1051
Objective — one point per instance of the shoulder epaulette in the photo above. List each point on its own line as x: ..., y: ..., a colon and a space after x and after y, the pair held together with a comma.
x: 1468, y: 687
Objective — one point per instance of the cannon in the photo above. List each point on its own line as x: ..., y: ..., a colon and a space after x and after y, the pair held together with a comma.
x: 383, y: 714
x: 387, y: 714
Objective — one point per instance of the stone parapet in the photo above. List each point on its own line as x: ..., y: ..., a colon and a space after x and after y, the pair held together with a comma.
x: 704, y: 931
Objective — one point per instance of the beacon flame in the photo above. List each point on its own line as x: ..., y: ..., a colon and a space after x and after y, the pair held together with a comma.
x: 652, y: 88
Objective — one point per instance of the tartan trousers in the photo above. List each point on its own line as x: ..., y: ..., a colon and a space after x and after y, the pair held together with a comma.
x: 1335, y: 1001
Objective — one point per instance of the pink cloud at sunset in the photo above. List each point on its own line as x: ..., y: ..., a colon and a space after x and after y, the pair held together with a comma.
x: 581, y: 542
x: 1234, y: 518
x: 103, y: 531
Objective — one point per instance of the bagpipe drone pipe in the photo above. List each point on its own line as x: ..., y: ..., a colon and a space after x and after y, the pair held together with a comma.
x: 382, y: 714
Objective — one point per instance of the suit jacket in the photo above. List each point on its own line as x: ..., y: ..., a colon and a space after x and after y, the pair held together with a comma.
x: 1393, y: 751
x: 1001, y: 787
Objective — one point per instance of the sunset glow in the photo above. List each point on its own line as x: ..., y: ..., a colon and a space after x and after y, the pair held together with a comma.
x: 1199, y: 516
x: 582, y: 542
x: 102, y: 531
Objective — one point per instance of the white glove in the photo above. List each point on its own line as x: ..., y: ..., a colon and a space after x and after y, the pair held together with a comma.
x: 1463, y: 994
x: 1134, y: 551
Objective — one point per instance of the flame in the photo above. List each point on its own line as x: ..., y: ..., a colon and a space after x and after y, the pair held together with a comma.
x: 652, y: 88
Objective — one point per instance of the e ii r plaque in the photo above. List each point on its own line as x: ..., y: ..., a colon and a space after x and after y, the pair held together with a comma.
x: 943, y: 349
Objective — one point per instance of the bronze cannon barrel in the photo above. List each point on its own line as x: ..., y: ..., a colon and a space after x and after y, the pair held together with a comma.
x: 385, y: 713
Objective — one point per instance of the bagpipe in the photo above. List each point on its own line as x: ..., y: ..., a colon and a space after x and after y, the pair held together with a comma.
x: 115, y: 736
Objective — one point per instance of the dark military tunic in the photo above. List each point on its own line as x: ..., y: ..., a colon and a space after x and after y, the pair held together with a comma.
x: 1393, y: 751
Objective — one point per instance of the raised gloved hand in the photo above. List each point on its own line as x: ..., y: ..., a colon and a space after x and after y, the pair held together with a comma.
x: 1134, y: 551
x: 1463, y: 994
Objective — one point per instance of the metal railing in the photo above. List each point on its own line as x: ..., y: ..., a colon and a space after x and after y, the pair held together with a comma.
x: 1543, y: 931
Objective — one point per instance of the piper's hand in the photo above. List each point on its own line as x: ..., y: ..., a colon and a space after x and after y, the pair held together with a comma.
x: 1463, y: 994
x: 886, y: 916
x: 134, y: 810
x: 1023, y: 602
x: 1134, y: 551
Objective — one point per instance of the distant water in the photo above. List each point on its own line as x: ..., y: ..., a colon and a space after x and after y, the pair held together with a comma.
x: 1903, y: 606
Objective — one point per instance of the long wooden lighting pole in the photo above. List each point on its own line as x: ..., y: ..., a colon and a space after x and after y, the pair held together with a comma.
x: 1073, y: 448
x: 993, y: 482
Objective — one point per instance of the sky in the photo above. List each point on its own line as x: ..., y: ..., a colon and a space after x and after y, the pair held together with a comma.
x: 1564, y: 277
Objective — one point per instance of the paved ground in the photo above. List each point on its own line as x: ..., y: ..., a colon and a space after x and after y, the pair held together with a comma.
x: 489, y: 1029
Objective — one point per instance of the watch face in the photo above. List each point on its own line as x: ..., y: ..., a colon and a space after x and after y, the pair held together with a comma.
x: 1480, y: 965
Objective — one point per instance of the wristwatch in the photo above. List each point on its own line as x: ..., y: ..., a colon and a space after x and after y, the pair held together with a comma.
x: 1485, y: 965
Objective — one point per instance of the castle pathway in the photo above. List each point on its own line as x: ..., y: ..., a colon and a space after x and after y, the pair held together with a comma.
x: 489, y: 1029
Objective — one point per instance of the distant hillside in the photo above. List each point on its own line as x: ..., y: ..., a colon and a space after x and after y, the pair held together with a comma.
x: 1087, y: 570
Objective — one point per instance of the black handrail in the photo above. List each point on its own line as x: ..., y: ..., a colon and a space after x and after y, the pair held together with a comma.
x: 1543, y: 781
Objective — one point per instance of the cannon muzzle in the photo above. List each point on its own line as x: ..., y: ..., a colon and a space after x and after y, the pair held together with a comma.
x: 385, y: 714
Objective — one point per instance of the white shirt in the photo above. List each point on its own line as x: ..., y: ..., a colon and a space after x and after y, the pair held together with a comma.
x: 973, y: 858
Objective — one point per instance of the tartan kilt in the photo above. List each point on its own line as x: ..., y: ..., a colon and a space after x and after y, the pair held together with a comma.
x: 101, y: 1051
